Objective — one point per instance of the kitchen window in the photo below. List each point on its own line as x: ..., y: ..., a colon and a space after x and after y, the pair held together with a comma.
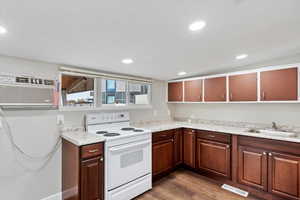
x: 77, y: 91
x: 96, y: 91
x: 113, y: 92
x: 139, y: 93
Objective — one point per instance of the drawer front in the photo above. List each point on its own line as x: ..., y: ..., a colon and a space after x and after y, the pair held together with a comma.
x: 92, y: 150
x: 163, y: 135
x: 214, y: 136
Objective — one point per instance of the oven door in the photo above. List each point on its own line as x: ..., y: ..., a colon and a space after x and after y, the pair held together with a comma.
x: 128, y: 162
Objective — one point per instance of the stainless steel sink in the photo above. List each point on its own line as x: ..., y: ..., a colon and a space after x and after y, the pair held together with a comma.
x: 273, y: 132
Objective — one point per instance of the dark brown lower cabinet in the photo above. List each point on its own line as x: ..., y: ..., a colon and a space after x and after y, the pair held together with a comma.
x: 253, y: 167
x: 92, y: 179
x: 269, y: 169
x: 214, y: 157
x: 162, y: 156
x: 189, y: 139
x: 82, y: 171
x: 178, y: 142
x: 284, y: 175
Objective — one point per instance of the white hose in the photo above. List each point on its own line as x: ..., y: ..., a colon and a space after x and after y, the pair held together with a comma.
x: 46, y: 158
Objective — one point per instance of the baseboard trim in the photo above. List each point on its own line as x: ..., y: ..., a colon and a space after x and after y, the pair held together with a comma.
x: 57, y: 196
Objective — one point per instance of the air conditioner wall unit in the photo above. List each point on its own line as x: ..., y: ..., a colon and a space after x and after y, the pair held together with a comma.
x: 21, y: 92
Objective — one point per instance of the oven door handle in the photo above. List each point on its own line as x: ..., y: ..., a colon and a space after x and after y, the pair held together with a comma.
x: 129, y: 146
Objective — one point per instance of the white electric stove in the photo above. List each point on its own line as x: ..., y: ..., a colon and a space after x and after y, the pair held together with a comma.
x: 128, y: 155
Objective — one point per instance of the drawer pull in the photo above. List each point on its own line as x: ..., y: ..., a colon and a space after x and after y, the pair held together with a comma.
x: 212, y: 136
x: 264, y: 153
x: 93, y: 151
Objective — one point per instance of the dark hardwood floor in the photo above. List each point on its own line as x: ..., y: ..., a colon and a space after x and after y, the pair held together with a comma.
x: 186, y: 185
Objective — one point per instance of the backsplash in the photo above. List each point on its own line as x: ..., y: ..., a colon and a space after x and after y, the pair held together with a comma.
x: 236, y: 124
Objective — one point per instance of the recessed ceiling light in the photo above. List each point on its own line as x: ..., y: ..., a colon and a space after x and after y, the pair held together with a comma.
x: 181, y: 73
x: 242, y: 56
x: 2, y: 30
x: 127, y: 61
x: 198, y: 25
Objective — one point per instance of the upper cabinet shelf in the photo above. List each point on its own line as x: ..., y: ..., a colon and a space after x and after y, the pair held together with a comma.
x: 279, y: 85
x: 270, y: 84
x: 243, y: 87
x: 193, y: 90
x: 175, y: 91
x: 215, y: 89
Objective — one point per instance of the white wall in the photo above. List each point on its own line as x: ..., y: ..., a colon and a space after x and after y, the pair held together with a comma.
x: 36, y: 131
x: 256, y: 113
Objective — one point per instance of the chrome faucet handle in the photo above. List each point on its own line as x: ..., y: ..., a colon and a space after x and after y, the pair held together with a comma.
x: 274, y: 125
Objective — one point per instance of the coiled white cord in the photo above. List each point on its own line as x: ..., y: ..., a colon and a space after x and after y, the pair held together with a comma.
x: 46, y: 158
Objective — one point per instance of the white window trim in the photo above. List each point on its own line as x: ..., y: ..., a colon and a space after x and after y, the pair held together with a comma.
x: 97, y: 105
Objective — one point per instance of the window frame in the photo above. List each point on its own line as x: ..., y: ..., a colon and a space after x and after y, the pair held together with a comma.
x: 149, y: 94
x: 97, y: 104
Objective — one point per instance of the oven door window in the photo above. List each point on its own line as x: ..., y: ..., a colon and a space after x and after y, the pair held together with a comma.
x: 131, y: 158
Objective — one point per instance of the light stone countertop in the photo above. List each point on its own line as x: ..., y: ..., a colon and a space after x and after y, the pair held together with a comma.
x: 156, y: 127
x: 80, y: 138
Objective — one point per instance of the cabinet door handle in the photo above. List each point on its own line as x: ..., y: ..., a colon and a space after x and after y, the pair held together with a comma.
x: 224, y: 96
x: 231, y: 96
x: 264, y: 153
x: 227, y: 146
x: 101, y: 159
x: 93, y: 151
x: 270, y: 154
x: 263, y: 95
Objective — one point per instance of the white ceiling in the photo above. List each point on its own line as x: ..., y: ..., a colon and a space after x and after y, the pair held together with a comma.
x: 99, y: 34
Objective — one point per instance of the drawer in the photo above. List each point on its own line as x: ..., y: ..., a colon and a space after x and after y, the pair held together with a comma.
x: 92, y: 150
x: 214, y: 136
x: 163, y: 135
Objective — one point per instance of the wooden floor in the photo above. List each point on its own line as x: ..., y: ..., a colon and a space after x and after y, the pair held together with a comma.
x: 187, y: 185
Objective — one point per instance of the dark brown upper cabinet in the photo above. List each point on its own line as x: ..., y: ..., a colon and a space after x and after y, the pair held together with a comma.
x: 193, y: 90
x: 215, y: 89
x: 175, y: 91
x: 279, y: 85
x: 243, y: 87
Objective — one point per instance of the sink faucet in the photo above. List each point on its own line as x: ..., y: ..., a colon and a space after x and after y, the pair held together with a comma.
x: 274, y: 126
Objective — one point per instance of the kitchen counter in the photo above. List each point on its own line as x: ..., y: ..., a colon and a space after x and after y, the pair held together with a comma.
x: 80, y: 138
x: 156, y: 127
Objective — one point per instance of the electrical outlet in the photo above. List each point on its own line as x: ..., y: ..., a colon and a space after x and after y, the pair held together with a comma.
x: 60, y: 119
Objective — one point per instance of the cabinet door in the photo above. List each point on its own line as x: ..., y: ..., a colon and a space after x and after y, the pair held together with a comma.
x: 213, y: 157
x: 178, y: 147
x: 215, y: 89
x: 193, y: 91
x: 162, y: 156
x: 253, y: 167
x: 189, y: 137
x: 279, y: 85
x: 175, y: 91
x: 92, y: 179
x: 284, y: 175
x: 243, y: 87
